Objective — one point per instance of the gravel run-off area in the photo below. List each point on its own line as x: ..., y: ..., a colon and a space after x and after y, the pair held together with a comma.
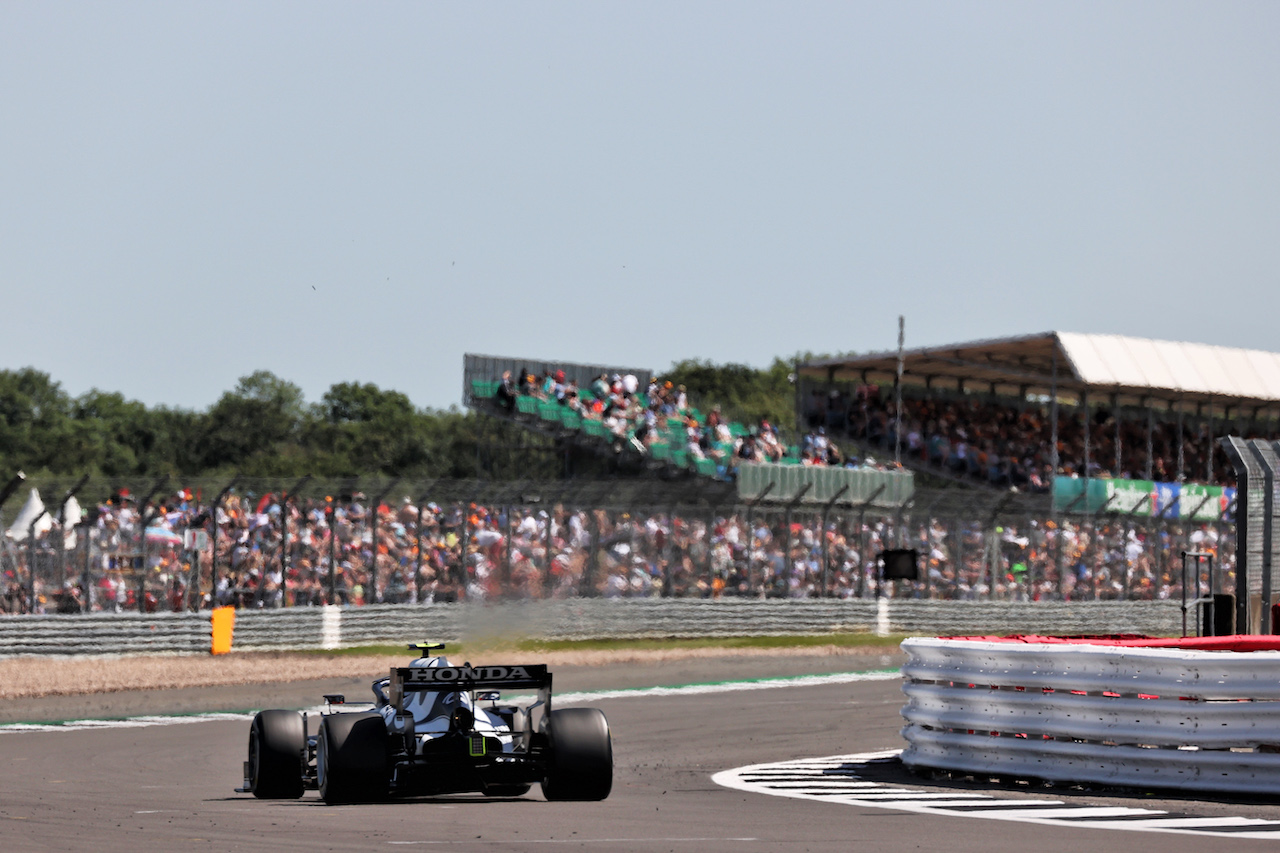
x: 28, y: 677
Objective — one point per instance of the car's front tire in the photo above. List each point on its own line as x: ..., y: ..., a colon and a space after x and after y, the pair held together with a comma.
x: 351, y: 758
x: 581, y: 755
x: 276, y: 744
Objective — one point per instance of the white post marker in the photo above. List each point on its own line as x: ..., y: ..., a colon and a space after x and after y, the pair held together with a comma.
x: 330, y: 626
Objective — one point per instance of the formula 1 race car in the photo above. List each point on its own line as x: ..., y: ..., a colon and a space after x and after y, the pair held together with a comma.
x: 430, y: 733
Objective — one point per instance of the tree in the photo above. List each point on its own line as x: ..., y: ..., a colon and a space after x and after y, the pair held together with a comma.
x: 349, y: 402
x: 360, y: 428
x: 35, y: 425
x: 744, y: 393
x: 255, y: 425
x: 112, y: 434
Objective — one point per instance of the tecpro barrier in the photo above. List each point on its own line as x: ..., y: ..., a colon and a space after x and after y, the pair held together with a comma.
x: 571, y: 619
x: 1084, y: 713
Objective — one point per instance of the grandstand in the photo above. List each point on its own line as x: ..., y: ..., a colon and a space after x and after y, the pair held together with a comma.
x: 573, y: 423
x: 1025, y: 409
x: 657, y: 432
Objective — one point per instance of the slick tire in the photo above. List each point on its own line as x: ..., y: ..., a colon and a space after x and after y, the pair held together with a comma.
x: 581, y: 766
x: 351, y: 758
x: 276, y: 743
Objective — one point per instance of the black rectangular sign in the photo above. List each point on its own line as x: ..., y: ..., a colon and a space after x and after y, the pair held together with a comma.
x: 467, y: 677
x: 900, y: 564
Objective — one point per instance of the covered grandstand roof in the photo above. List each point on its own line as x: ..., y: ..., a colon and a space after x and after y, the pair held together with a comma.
x: 1136, y: 370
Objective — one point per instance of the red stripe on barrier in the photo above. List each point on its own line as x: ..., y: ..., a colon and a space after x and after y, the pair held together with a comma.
x: 1233, y: 643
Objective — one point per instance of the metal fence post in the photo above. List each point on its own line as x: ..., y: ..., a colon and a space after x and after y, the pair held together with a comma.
x: 589, y: 571
x: 1265, y: 453
x: 333, y: 549
x: 373, y: 540
x: 788, y: 560
x: 1249, y: 479
x: 60, y: 541
x: 87, y: 582
x: 826, y: 551
x: 213, y: 540
x: 511, y: 510
x: 31, y: 561
x: 145, y: 517
x: 284, y: 538
x: 751, y: 530
x: 668, y: 582
x: 1129, y: 529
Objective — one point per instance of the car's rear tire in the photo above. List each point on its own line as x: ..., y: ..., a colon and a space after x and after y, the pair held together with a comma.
x: 276, y: 744
x: 581, y: 766
x: 351, y: 758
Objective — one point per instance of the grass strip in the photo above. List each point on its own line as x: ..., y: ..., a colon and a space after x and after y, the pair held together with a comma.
x: 764, y: 644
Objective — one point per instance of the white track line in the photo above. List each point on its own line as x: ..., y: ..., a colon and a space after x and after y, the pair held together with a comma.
x: 813, y: 779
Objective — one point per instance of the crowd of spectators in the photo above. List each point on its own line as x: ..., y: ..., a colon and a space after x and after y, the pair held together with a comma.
x: 462, y: 551
x: 1011, y: 444
x: 662, y: 416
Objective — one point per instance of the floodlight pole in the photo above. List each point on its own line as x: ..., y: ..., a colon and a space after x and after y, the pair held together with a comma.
x: 897, y: 430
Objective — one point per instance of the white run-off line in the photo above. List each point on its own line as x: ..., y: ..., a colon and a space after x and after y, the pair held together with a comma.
x: 558, y: 700
x: 838, y: 779
x: 578, y: 842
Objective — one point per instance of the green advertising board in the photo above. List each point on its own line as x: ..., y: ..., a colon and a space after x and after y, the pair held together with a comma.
x: 1141, y: 498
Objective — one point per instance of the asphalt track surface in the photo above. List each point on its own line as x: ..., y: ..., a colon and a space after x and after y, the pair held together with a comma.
x: 169, y: 787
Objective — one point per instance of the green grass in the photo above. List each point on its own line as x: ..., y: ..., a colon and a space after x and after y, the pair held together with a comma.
x: 763, y: 643
x: 792, y: 641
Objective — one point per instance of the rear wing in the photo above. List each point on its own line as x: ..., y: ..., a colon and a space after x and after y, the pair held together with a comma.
x: 405, y: 678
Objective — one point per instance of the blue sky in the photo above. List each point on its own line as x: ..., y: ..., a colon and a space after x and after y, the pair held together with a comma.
x: 364, y: 192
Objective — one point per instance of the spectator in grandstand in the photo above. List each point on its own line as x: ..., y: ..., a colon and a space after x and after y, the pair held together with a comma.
x: 967, y: 435
x: 600, y: 387
x: 770, y: 446
x: 506, y: 394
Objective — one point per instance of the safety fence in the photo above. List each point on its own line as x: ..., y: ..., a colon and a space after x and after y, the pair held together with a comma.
x: 261, y: 544
x: 1066, y: 713
x: 574, y: 619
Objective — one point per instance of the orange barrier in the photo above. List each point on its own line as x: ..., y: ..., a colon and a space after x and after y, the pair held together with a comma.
x: 223, y: 620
